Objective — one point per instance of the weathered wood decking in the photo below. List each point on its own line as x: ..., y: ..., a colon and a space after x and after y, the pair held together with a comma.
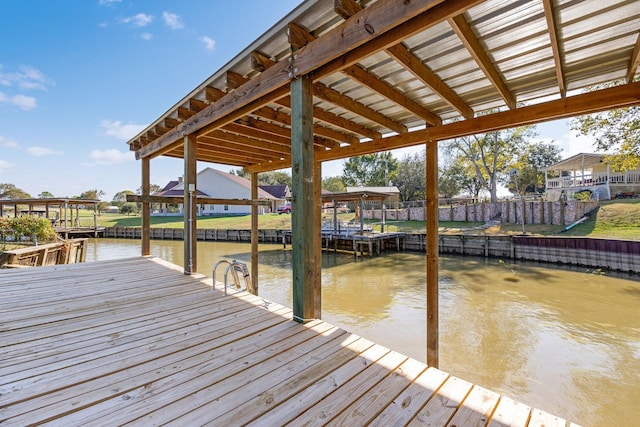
x: 136, y: 341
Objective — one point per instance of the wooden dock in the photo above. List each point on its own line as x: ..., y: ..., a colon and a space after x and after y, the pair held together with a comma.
x: 136, y: 341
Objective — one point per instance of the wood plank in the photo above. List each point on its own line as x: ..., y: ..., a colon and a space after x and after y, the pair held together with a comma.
x: 120, y: 396
x: 302, y: 376
x: 406, y: 404
x: 289, y: 408
x: 476, y: 409
x: 216, y: 397
x: 540, y: 418
x: 441, y: 407
x: 510, y: 413
x: 368, y: 405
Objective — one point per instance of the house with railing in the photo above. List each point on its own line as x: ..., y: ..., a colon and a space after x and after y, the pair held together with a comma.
x: 590, y: 173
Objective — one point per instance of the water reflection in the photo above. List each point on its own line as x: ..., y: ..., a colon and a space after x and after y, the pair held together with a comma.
x: 565, y: 341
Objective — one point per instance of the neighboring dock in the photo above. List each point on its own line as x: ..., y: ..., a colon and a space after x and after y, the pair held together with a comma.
x: 137, y: 341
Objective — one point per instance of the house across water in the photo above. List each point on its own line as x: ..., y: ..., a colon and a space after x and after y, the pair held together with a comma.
x: 590, y: 173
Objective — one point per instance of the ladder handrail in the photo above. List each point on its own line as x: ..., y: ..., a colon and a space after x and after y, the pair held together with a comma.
x: 235, y: 267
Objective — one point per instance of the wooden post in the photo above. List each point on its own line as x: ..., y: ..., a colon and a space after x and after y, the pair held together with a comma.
x: 189, y: 210
x: 432, y: 253
x: 95, y: 219
x: 254, y: 234
x: 146, y: 210
x: 302, y: 206
x: 317, y: 242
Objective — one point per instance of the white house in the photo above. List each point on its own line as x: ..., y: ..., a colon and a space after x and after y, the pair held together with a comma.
x: 589, y: 172
x: 219, y: 185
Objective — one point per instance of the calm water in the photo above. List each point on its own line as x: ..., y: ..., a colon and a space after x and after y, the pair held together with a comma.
x: 563, y: 341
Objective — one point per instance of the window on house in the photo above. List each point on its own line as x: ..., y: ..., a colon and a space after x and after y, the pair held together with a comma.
x: 226, y: 207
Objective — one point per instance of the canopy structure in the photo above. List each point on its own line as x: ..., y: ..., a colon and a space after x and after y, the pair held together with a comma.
x: 335, y: 79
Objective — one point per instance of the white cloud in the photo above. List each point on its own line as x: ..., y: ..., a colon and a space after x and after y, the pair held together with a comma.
x: 111, y: 157
x: 7, y: 143
x: 172, y: 20
x: 209, y: 43
x: 21, y: 101
x: 139, y: 20
x: 26, y: 77
x: 5, y: 165
x: 146, y: 36
x: 42, y: 151
x: 108, y: 2
x: 121, y: 130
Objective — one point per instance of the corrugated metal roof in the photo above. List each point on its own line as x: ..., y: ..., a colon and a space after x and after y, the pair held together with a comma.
x: 437, y: 77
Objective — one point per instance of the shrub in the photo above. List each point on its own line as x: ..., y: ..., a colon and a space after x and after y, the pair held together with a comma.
x: 33, y: 227
x: 129, y: 208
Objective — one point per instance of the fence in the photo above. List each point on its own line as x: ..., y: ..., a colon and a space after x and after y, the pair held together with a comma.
x: 511, y: 211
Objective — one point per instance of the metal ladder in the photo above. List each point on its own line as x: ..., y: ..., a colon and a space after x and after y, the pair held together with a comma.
x: 235, y: 267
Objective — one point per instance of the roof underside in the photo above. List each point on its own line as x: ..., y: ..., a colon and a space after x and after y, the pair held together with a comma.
x: 390, y: 74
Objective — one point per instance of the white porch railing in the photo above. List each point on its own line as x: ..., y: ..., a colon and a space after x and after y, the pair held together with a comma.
x: 631, y: 177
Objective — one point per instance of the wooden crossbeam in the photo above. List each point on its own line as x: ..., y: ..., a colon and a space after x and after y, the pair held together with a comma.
x: 634, y: 61
x: 587, y: 103
x: 471, y: 42
x: 198, y: 199
x: 335, y: 97
x: 555, y: 45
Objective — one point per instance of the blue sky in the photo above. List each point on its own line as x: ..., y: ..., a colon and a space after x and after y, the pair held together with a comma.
x: 78, y: 78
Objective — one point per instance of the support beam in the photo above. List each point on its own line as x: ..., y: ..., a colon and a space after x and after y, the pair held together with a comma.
x: 317, y: 241
x: 189, y: 204
x: 254, y: 234
x: 634, y: 61
x: 558, y: 57
x: 475, y: 48
x: 432, y: 253
x: 302, y: 218
x: 146, y: 208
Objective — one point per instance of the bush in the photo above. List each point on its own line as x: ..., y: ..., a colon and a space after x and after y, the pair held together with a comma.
x: 33, y: 227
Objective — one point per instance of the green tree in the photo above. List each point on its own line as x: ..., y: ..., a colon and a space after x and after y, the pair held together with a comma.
x: 333, y: 184
x: 45, y: 195
x: 274, y: 178
x: 531, y: 165
x: 121, y: 196
x: 92, y: 195
x: 451, y: 180
x: 11, y: 192
x: 153, y: 188
x: 614, y: 131
x: 129, y: 208
x: 411, y: 177
x: 490, y: 154
x: 370, y: 170
x: 459, y: 176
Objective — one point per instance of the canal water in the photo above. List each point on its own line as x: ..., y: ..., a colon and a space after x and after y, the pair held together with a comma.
x: 564, y: 341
